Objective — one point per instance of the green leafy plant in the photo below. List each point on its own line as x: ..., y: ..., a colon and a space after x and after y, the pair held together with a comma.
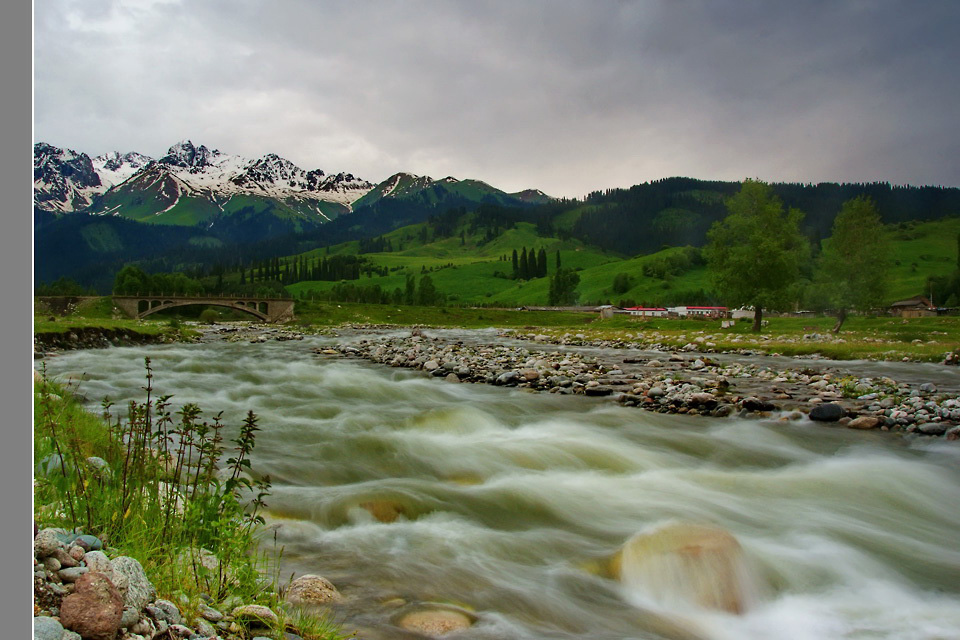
x: 166, y: 495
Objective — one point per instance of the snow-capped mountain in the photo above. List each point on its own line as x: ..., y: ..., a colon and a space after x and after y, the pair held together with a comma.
x: 193, y: 184
x: 276, y: 176
x: 113, y: 168
x: 65, y: 181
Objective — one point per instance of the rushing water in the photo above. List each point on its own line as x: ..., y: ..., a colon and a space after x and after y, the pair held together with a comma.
x: 509, y: 501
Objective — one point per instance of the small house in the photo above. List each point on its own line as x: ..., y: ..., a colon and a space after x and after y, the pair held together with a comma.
x: 916, y: 307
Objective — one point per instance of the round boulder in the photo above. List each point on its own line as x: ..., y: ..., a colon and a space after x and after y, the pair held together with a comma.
x: 864, y: 422
x: 46, y: 628
x: 255, y: 615
x: 385, y: 511
x: 687, y: 563
x: 434, y: 619
x: 312, y: 589
x: 94, y: 609
x: 140, y: 590
x: 827, y: 412
x: 46, y: 543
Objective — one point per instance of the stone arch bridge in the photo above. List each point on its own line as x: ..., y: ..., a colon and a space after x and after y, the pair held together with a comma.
x: 265, y: 309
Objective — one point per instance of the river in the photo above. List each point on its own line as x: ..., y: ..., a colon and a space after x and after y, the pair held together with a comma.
x: 508, y: 502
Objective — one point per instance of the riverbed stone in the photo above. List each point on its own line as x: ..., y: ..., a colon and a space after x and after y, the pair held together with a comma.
x: 827, y: 412
x: 72, y: 574
x: 45, y: 543
x: 703, y: 564
x: 94, y: 610
x: 434, y: 619
x: 753, y: 403
x: 139, y: 590
x: 98, y: 561
x: 933, y: 428
x: 311, y: 589
x: 385, y: 511
x: 129, y: 617
x: 209, y: 613
x: 255, y: 615
x: 171, y: 613
x: 46, y: 628
x: 864, y: 422
x: 204, y: 628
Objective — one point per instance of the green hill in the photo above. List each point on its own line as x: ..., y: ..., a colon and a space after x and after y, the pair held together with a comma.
x: 468, y: 270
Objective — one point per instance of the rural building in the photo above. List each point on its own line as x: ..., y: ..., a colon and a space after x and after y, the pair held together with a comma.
x: 708, y: 312
x: 647, y: 312
x: 699, y: 312
x: 915, y: 307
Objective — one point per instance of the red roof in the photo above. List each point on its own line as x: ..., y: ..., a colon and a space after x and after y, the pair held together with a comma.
x: 645, y: 309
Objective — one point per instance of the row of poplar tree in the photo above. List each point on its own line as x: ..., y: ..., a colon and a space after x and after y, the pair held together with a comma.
x: 530, y: 265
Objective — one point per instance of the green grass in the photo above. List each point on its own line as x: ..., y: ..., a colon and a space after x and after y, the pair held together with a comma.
x: 332, y: 314
x: 98, y: 314
x: 920, y: 250
x: 862, y: 337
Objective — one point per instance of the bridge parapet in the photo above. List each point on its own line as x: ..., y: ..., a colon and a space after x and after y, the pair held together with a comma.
x: 265, y: 309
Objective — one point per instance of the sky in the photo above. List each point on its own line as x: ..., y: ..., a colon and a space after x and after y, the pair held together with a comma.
x: 565, y: 96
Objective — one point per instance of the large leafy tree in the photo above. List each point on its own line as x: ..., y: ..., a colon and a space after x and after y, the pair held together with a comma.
x: 755, y: 253
x: 854, y: 267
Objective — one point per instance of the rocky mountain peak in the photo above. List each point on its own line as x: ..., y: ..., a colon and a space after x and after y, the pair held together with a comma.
x: 115, y: 161
x: 63, y: 179
x: 184, y: 154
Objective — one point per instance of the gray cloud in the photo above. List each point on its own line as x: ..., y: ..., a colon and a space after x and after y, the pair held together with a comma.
x: 561, y: 95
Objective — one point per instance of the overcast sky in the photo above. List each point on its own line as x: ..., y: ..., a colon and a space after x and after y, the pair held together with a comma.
x: 568, y: 97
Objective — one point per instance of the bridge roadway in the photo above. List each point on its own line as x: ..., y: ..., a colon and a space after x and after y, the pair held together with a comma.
x: 265, y: 309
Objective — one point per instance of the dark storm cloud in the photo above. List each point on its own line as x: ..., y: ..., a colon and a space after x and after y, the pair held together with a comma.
x: 564, y: 96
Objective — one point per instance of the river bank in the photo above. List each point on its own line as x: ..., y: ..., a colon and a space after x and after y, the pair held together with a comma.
x: 677, y: 381
x: 94, y: 337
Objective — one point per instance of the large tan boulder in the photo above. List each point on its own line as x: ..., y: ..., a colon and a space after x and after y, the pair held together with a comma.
x: 434, y: 619
x: 311, y: 589
x: 683, y: 562
x: 385, y: 511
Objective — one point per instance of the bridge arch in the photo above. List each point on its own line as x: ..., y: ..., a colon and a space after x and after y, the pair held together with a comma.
x: 156, y: 305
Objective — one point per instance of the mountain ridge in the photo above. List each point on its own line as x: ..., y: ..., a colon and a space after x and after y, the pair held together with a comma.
x: 194, y: 184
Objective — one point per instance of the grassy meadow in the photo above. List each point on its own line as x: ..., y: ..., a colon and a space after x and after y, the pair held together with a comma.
x: 471, y: 272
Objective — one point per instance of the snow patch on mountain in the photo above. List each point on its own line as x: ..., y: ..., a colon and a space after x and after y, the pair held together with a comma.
x: 113, y: 168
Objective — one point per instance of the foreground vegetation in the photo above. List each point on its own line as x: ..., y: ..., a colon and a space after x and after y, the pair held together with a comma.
x: 168, y: 488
